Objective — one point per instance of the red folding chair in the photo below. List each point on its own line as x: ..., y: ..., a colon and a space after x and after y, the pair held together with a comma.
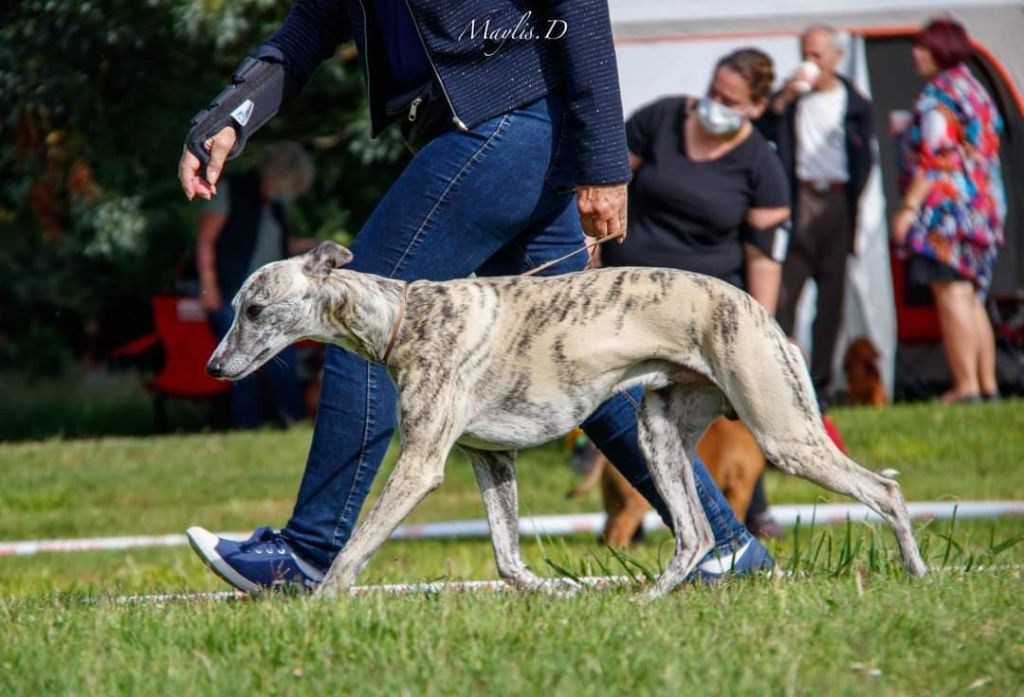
x: 187, y: 341
x: 914, y: 323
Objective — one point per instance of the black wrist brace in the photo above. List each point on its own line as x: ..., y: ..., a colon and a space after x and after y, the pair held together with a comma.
x: 253, y: 97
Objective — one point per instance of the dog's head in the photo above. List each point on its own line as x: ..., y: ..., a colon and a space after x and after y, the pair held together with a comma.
x: 863, y: 367
x: 276, y: 306
x: 862, y: 358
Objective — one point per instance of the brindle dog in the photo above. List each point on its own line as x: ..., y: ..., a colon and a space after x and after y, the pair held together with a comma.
x: 497, y: 364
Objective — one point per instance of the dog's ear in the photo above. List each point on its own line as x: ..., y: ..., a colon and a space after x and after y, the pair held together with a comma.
x: 325, y: 256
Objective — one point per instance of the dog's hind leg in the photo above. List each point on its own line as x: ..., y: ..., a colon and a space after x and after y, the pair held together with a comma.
x: 820, y: 461
x: 775, y: 398
x: 496, y: 475
x: 671, y: 422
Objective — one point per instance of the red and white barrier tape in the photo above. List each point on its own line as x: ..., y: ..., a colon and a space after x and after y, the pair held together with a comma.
x: 552, y: 525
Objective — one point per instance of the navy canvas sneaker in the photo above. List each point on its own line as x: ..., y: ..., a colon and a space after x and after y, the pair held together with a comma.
x: 264, y: 561
x: 750, y: 558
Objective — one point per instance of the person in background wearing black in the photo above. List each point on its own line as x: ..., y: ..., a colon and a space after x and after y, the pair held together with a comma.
x: 242, y: 228
x: 708, y: 194
x: 822, y: 128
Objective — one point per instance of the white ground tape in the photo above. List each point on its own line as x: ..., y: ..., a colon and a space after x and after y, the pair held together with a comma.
x: 477, y: 586
x: 552, y: 525
x: 385, y: 588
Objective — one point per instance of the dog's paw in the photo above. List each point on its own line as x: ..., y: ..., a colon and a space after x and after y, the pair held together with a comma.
x: 335, y: 585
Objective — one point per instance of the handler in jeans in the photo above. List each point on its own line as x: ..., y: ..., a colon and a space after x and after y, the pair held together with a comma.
x: 531, y: 154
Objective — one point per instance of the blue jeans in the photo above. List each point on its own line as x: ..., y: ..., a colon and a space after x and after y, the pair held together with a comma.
x: 279, y: 372
x: 496, y: 200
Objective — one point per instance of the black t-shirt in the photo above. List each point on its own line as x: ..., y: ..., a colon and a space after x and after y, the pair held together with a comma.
x: 685, y: 214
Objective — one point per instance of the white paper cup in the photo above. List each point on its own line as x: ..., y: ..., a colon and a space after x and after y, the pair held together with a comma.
x: 804, y: 77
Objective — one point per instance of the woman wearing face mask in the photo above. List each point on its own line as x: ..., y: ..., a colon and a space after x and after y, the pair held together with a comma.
x: 708, y: 193
x: 242, y: 228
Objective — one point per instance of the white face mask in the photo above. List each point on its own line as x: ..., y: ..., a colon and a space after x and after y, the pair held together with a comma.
x: 717, y: 118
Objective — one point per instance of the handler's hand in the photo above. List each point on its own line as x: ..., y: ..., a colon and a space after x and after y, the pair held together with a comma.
x: 189, y: 168
x: 602, y: 210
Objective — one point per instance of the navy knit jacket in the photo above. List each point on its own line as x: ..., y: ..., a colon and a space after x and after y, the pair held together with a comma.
x: 482, y: 75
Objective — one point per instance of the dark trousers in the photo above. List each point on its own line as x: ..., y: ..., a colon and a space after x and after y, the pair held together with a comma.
x: 821, y: 241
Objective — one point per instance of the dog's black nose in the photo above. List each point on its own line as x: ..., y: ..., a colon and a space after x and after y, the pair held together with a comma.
x: 215, y: 369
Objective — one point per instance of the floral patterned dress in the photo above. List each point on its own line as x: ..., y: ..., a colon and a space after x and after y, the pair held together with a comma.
x: 960, y: 223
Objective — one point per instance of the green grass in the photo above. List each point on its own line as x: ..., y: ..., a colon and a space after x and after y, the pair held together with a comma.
x: 87, y: 404
x: 235, y: 481
x: 849, y: 624
x: 845, y: 636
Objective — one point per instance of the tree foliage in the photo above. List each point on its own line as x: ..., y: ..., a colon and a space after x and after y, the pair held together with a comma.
x: 96, y: 99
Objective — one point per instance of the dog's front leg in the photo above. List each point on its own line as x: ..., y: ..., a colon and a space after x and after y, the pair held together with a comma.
x: 496, y: 475
x: 416, y: 474
x: 428, y: 426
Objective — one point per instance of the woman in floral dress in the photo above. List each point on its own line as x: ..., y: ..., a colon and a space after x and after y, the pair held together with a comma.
x: 949, y: 225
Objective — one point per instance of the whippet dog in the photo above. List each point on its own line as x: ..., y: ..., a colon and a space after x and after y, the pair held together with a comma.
x: 497, y: 364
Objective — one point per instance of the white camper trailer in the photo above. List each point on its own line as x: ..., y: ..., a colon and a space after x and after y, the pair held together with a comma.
x: 670, y: 47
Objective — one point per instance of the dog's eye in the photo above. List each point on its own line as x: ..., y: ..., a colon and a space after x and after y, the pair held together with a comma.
x: 253, y: 311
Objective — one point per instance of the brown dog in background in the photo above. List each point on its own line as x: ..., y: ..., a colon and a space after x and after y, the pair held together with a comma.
x: 862, y: 365
x: 727, y: 448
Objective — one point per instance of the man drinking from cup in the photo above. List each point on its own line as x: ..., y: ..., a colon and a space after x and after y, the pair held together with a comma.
x: 822, y: 128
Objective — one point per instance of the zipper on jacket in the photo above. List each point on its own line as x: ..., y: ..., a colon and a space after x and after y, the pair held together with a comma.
x: 366, y: 38
x: 459, y: 123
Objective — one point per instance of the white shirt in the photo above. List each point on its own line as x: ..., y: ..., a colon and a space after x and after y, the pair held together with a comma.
x: 820, y: 137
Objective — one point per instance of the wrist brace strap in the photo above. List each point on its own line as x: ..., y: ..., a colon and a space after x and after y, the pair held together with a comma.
x: 253, y: 97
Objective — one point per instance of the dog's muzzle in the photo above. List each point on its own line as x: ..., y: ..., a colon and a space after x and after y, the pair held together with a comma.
x: 229, y: 365
x: 215, y: 368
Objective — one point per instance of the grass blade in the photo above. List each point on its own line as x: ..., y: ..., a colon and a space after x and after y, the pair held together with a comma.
x: 1005, y: 545
x: 949, y: 538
